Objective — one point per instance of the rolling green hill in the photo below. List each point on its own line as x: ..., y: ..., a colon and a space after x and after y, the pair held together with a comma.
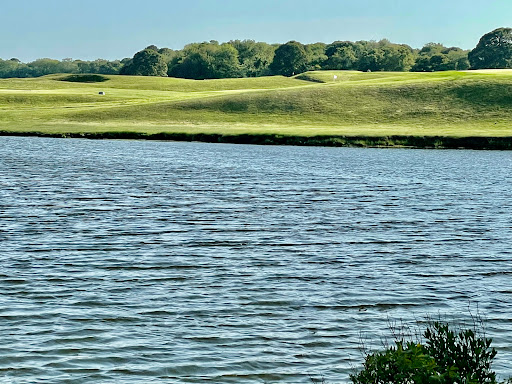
x: 355, y: 105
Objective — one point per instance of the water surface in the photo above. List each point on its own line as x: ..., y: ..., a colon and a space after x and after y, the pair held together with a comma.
x: 159, y: 262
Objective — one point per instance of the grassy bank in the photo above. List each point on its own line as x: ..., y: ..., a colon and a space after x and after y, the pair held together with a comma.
x: 438, y: 110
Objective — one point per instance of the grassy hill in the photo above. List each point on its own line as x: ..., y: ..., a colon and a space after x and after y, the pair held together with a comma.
x: 355, y: 105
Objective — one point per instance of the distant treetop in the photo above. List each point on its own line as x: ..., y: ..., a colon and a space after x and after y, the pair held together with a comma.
x: 248, y: 58
x: 494, y: 50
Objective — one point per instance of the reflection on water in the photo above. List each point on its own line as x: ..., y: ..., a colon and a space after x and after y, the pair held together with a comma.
x: 154, y: 262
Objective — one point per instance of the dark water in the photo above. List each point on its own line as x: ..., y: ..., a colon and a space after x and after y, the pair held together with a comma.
x: 153, y: 262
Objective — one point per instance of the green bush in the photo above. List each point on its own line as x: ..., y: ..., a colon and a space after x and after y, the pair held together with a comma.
x: 463, y: 357
x: 399, y: 364
x: 445, y: 357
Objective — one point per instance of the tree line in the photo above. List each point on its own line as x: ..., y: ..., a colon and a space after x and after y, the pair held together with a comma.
x: 41, y: 67
x: 248, y: 58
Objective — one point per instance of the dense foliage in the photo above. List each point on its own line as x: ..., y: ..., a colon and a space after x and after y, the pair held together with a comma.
x: 248, y: 58
x: 41, y: 67
x: 289, y: 59
x: 494, y: 50
x: 147, y: 62
x: 206, y: 61
x: 435, y: 57
x: 446, y: 357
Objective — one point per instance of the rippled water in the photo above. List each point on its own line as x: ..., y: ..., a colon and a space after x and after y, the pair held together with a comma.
x: 158, y: 262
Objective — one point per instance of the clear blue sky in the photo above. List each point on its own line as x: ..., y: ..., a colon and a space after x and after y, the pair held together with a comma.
x: 114, y: 29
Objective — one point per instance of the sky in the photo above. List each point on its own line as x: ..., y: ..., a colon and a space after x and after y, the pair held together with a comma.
x: 115, y: 29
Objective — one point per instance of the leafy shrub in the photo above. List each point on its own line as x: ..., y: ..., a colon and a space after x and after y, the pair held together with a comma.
x: 399, y: 364
x: 463, y: 357
x: 445, y: 357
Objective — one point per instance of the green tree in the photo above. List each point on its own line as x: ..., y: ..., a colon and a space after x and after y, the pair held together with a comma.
x: 439, y: 62
x: 194, y: 65
x: 315, y: 55
x: 370, y: 57
x: 152, y: 47
x: 342, y: 55
x: 206, y: 61
x: 384, y: 56
x: 99, y: 66
x: 290, y: 59
x: 147, y: 62
x: 8, y: 68
x: 254, y: 57
x: 68, y: 65
x: 436, y: 57
x: 168, y: 54
x: 224, y: 62
x: 458, y: 59
x: 422, y: 64
x: 494, y: 50
x: 396, y: 57
x: 42, y: 67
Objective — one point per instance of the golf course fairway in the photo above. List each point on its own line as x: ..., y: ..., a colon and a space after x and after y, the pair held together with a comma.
x: 428, y: 110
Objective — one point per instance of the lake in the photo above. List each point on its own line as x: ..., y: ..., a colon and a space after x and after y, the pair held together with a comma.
x: 164, y: 262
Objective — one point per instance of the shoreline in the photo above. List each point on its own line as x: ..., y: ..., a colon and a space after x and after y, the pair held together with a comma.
x: 394, y: 141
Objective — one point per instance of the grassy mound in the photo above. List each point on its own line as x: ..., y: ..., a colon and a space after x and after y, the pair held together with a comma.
x: 355, y: 104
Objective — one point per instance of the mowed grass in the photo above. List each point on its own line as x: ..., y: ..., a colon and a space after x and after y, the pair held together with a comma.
x: 454, y: 104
